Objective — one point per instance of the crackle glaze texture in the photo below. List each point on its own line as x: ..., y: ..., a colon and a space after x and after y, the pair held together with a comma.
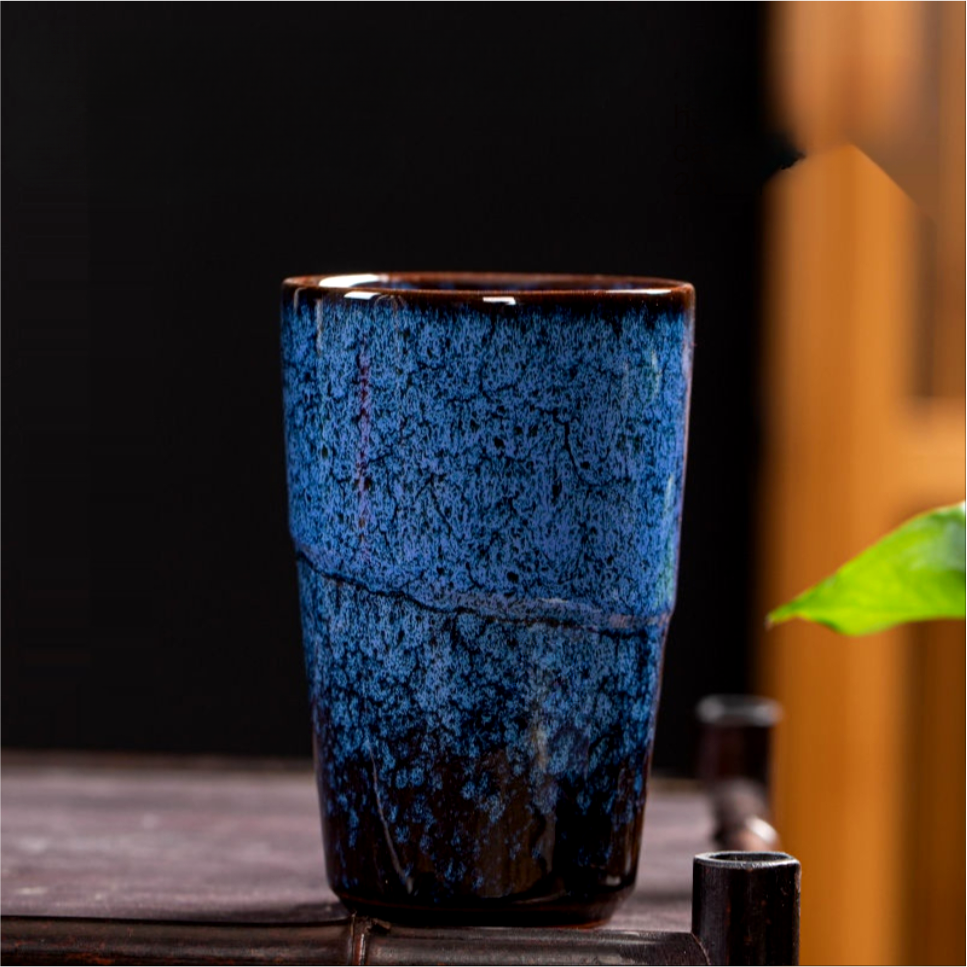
x: 485, y: 502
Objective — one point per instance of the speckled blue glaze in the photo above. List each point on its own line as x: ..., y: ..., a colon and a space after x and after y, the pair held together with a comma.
x: 485, y: 501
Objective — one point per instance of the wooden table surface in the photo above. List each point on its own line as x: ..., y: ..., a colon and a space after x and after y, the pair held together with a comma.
x: 236, y: 843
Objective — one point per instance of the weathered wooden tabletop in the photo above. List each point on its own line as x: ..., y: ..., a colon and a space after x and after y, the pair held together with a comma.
x: 172, y: 843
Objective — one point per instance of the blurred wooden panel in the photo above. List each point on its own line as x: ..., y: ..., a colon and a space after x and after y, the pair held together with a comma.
x: 930, y: 450
x: 949, y: 341
x: 842, y: 72
x: 866, y: 759
x: 838, y: 285
x: 936, y: 844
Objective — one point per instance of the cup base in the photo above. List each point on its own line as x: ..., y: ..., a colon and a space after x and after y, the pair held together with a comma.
x: 545, y: 913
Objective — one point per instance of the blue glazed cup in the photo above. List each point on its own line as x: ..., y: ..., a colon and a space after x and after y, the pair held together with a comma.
x: 485, y: 487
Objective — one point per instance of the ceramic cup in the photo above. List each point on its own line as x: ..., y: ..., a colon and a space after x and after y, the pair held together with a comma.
x: 485, y: 483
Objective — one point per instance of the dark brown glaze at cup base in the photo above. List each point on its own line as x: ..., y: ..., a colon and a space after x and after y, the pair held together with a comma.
x: 546, y: 913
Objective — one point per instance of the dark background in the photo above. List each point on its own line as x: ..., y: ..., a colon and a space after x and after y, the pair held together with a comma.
x: 164, y: 167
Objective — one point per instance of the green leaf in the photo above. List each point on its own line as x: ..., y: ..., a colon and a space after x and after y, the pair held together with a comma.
x: 915, y: 573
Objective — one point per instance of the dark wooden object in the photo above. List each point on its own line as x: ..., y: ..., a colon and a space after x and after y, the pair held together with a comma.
x: 745, y: 908
x: 203, y: 862
x: 734, y: 763
x: 33, y: 940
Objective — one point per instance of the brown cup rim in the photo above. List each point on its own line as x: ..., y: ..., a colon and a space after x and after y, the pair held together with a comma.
x: 507, y: 288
